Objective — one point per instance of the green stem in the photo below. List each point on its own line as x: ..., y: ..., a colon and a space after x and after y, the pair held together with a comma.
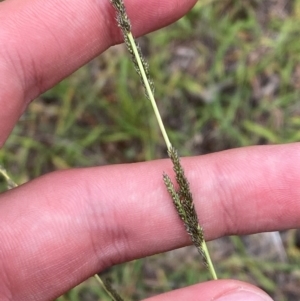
x: 97, y: 277
x: 4, y: 174
x: 9, y: 181
x: 149, y: 91
x: 209, y: 262
x: 109, y: 290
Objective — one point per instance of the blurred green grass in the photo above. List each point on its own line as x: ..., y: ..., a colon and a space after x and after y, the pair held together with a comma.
x: 226, y: 75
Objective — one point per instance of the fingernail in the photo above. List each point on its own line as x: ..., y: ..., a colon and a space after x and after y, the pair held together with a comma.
x: 244, y: 295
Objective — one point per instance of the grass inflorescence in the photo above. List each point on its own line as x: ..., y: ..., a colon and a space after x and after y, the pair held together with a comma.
x: 183, y: 202
x: 232, y: 68
x: 182, y: 199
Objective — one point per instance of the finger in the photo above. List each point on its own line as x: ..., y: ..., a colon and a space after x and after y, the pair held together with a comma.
x: 63, y: 227
x: 44, y: 41
x: 220, y: 290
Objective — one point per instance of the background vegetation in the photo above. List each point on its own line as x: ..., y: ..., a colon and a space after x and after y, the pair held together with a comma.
x: 226, y: 75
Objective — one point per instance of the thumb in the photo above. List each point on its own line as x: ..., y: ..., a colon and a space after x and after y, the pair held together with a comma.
x: 216, y: 290
x: 244, y: 294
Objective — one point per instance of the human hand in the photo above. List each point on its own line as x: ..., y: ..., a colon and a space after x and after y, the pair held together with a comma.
x: 61, y: 228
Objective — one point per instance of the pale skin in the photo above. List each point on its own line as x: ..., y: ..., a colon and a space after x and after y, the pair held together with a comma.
x: 60, y: 229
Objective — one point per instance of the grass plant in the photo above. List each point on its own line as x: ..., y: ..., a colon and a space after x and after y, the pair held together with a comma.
x: 232, y: 68
x: 182, y: 199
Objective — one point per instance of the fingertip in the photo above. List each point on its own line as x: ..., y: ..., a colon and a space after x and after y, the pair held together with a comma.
x: 216, y: 290
x: 244, y: 293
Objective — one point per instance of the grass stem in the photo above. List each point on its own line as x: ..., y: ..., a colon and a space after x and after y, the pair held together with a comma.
x: 149, y: 90
x: 108, y: 289
x: 210, y: 265
x: 9, y: 181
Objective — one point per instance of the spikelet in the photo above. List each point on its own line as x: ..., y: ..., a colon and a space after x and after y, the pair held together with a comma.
x: 183, y: 202
x: 124, y: 24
